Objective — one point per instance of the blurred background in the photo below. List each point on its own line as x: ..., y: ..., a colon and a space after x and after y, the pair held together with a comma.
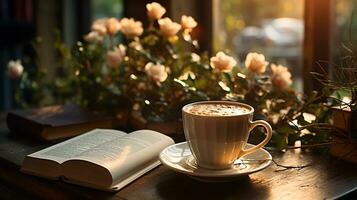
x: 276, y: 28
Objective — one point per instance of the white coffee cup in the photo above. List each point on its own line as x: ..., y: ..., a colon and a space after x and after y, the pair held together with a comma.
x: 217, y: 137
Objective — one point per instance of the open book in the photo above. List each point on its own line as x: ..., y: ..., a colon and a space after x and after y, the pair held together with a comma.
x: 102, y: 158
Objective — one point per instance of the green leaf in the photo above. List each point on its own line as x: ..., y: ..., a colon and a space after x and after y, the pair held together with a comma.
x: 279, y: 141
x: 286, y: 129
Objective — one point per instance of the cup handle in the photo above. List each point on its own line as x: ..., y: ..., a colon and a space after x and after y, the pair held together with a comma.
x: 269, y: 134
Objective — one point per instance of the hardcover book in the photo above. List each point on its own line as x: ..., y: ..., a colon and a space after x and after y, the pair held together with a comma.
x: 56, y: 122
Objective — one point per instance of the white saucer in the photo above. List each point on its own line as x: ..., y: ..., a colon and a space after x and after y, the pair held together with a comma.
x: 179, y: 158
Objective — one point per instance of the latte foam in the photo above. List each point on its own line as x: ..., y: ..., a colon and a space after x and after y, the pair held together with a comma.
x: 216, y: 109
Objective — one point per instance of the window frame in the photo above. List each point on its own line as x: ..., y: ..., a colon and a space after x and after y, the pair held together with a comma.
x: 317, y: 40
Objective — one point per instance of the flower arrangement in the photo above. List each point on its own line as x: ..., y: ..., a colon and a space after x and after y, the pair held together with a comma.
x: 157, y: 69
x: 123, y: 62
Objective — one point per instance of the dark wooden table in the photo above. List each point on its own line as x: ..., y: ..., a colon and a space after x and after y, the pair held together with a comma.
x: 324, y: 178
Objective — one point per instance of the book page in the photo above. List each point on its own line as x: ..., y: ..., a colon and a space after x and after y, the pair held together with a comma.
x: 120, y: 147
x: 75, y: 146
x: 126, y: 154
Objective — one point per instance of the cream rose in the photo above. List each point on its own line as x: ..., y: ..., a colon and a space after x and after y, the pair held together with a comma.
x: 156, y: 72
x: 222, y: 62
x: 115, y: 57
x: 100, y: 26
x: 187, y: 22
x: 136, y: 45
x: 112, y: 25
x: 15, y: 69
x: 168, y: 28
x: 195, y: 57
x: 256, y: 63
x: 93, y: 37
x: 281, y: 77
x: 155, y: 10
x: 131, y: 28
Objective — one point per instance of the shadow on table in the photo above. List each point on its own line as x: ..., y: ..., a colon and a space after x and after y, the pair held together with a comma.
x: 181, y: 186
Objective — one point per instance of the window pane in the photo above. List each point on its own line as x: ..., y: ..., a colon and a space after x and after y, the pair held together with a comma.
x: 107, y: 8
x: 344, y: 28
x: 274, y: 28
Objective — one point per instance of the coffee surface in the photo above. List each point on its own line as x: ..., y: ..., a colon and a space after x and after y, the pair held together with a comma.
x: 216, y: 109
